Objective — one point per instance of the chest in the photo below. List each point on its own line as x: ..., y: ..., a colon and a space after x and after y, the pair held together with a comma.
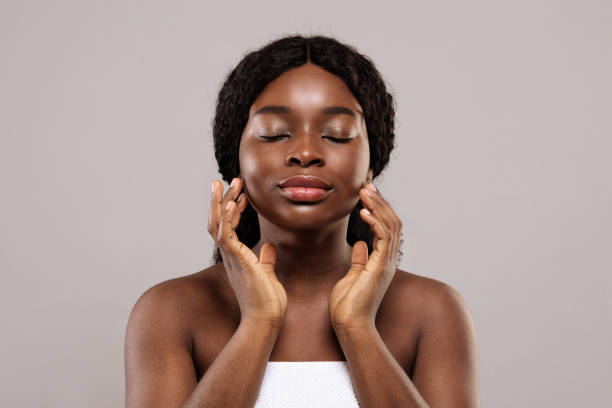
x: 306, y: 335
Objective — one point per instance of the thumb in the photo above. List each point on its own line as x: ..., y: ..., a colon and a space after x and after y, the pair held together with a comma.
x: 267, y: 255
x: 359, y: 255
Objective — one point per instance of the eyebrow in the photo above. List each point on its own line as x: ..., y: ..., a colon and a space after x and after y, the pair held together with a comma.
x: 329, y: 110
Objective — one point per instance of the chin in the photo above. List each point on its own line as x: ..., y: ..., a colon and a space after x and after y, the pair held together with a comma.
x: 306, y: 216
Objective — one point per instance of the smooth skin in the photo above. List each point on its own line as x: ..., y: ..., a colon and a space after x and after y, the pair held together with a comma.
x: 315, y: 296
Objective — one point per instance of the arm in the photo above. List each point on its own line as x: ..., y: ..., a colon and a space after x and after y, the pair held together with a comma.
x: 446, y: 367
x: 378, y: 379
x: 445, y: 373
x: 159, y: 368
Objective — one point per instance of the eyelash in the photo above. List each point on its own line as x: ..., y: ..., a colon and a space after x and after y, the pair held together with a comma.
x: 334, y: 139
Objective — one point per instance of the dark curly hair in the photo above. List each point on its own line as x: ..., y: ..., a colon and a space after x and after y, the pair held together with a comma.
x: 258, y: 68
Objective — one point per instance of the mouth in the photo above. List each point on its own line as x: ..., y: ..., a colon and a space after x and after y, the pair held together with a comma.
x: 305, y: 194
x: 305, y: 188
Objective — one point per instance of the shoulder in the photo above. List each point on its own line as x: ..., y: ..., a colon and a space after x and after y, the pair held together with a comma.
x: 159, y: 339
x: 446, y: 350
x: 433, y: 298
x: 173, y: 302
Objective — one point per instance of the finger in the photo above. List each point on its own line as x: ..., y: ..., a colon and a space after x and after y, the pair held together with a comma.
x: 359, y: 259
x: 267, y: 258
x: 373, y: 208
x: 393, y: 221
x: 383, y: 244
x: 232, y: 191
x: 230, y: 195
x: 359, y: 255
x: 378, y: 206
x: 267, y: 254
x: 214, y: 214
x: 241, y: 205
x: 226, y: 236
x: 382, y: 210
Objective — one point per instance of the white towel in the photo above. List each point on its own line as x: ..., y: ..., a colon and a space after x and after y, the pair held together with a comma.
x: 301, y: 384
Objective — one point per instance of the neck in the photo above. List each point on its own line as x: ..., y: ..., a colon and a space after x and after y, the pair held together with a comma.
x: 309, y: 262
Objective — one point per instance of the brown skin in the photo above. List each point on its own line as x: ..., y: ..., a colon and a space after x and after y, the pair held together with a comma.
x: 322, y: 299
x: 309, y: 238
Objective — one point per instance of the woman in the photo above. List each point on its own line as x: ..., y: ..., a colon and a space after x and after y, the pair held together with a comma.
x: 305, y: 273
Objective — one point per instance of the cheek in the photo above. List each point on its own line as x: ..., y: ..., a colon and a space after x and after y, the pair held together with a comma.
x: 255, y: 170
x: 250, y: 168
x: 354, y: 168
x: 248, y: 165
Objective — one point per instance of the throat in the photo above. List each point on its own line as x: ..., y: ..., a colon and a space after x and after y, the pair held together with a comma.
x: 311, y: 285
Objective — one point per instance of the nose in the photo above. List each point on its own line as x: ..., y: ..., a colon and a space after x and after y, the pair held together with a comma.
x: 305, y: 151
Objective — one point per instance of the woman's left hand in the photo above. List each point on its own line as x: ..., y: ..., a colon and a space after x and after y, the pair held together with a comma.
x: 355, y: 299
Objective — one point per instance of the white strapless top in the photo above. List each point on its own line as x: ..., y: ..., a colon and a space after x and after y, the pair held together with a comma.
x: 301, y: 384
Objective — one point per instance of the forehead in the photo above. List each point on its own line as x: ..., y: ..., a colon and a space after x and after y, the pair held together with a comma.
x: 307, y: 89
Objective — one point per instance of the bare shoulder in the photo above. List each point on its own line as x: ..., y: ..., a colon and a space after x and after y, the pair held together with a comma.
x: 433, y: 298
x: 446, y: 351
x: 159, y: 340
x: 179, y: 298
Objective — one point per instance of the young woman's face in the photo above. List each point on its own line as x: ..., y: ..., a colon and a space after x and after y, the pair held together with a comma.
x: 321, y: 132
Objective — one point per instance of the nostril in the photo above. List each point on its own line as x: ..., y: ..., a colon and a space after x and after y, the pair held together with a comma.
x: 304, y: 158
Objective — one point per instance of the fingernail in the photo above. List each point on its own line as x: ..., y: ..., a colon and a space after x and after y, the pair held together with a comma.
x: 227, y: 206
x: 213, y: 185
x: 371, y: 186
x: 365, y: 210
x: 233, y: 183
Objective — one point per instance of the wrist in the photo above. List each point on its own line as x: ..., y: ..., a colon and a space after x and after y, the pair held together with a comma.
x: 261, y: 325
x: 354, y: 328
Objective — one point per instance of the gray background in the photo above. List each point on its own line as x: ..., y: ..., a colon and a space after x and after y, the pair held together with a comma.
x: 502, y: 175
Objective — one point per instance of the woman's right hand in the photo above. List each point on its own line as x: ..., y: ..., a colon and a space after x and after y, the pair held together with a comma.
x: 260, y: 295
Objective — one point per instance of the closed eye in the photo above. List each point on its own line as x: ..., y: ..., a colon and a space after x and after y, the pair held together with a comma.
x: 337, y: 139
x: 278, y: 137
x: 272, y: 138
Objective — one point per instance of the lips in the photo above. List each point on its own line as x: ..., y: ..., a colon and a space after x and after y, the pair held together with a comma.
x: 305, y: 181
x: 305, y: 188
